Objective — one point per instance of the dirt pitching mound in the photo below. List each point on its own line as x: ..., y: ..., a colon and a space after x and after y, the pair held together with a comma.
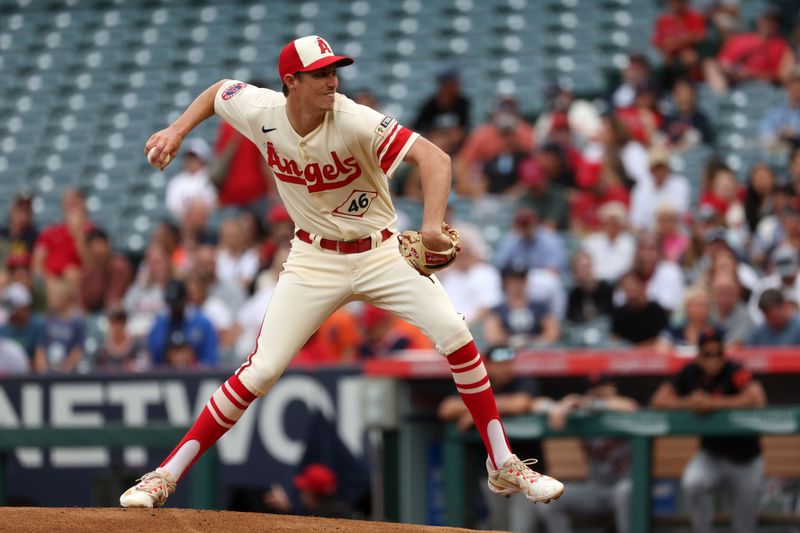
x: 37, y: 519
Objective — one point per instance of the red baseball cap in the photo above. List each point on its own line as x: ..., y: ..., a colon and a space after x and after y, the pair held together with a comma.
x: 306, y: 54
x: 317, y: 479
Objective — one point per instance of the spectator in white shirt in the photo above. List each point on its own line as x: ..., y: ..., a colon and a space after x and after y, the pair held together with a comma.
x: 664, y: 188
x: 784, y: 276
x: 613, y: 248
x: 473, y: 284
x: 664, y: 280
x: 235, y: 260
x: 192, y: 182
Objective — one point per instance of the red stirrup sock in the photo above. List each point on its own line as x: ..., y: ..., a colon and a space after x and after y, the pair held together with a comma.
x: 221, y: 412
x: 472, y: 383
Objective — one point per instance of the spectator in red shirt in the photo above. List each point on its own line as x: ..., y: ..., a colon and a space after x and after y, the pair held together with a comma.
x: 60, y: 247
x: 676, y: 34
x: 239, y: 171
x: 642, y: 119
x: 750, y: 56
x: 485, y: 143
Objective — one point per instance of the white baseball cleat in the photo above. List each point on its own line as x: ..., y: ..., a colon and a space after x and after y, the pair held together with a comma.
x: 152, y: 490
x: 516, y: 476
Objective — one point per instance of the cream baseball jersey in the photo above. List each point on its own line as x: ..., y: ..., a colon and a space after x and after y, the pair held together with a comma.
x: 333, y: 181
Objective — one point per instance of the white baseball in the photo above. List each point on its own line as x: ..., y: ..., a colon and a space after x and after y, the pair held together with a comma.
x: 152, y: 153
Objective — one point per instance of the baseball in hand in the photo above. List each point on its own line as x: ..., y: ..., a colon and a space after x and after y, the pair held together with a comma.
x: 151, y: 155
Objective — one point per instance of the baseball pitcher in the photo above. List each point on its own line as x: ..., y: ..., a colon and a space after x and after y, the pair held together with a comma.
x: 332, y: 159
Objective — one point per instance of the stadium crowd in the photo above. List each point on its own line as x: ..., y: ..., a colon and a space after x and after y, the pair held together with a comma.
x: 609, y: 243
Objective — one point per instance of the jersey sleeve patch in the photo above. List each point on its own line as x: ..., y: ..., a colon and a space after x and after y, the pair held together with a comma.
x: 392, y: 146
x: 232, y: 89
x: 381, y: 128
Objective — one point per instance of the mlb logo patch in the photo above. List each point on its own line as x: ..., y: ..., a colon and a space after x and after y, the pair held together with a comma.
x: 381, y: 128
x: 231, y: 91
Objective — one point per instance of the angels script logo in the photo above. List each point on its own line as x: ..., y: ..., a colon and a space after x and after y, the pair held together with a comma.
x: 314, y: 176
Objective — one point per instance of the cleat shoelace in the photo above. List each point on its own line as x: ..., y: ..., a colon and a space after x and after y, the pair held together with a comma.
x: 152, y: 482
x: 523, y: 469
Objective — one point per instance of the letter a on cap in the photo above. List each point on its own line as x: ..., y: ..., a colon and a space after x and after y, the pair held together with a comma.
x: 323, y: 46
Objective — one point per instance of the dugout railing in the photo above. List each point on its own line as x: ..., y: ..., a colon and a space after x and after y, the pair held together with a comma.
x: 639, y: 427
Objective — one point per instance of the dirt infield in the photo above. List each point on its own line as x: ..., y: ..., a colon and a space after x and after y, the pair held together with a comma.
x: 37, y: 519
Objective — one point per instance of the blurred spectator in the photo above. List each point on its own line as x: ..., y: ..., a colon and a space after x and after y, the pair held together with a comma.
x: 701, y: 221
x: 696, y: 317
x: 794, y: 171
x: 13, y: 360
x: 19, y: 271
x: 341, y: 336
x: 608, y: 486
x: 60, y: 247
x: 669, y: 233
x: 532, y: 244
x: 238, y: 170
x: 167, y: 236
x: 236, y: 261
x: 749, y: 56
x: 781, y: 125
x: 676, y: 34
x: 145, y: 297
x: 181, y: 330
x: 784, y: 277
x: 517, y: 321
x: 774, y: 226
x: 317, y: 486
x: 23, y: 326
x: 642, y: 119
x: 472, y: 284
x: 719, y: 257
x: 105, y: 276
x: 685, y: 125
x: 314, y: 352
x: 515, y: 396
x: 639, y: 320
x: 723, y: 192
x: 204, y: 263
x: 501, y: 173
x: 120, y: 352
x: 542, y: 178
x: 759, y: 200
x: 664, y: 280
x: 250, y: 313
x: 663, y: 187
x: 280, y: 233
x: 19, y: 237
x: 723, y: 17
x: 553, y: 126
x: 545, y: 288
x: 589, y: 296
x: 635, y: 74
x: 709, y: 384
x: 613, y: 248
x: 192, y: 182
x: 781, y: 326
x: 179, y: 353
x: 61, y: 345
x: 194, y: 232
x: 382, y: 335
x: 215, y: 310
x: 444, y: 117
x: 253, y: 234
x: 728, y: 310
x: 485, y: 143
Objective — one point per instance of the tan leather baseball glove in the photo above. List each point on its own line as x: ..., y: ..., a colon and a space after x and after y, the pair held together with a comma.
x: 426, y: 261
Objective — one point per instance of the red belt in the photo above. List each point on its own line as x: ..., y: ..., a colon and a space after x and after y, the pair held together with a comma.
x: 344, y: 247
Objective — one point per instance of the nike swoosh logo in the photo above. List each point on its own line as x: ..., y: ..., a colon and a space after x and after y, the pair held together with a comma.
x: 266, y: 130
